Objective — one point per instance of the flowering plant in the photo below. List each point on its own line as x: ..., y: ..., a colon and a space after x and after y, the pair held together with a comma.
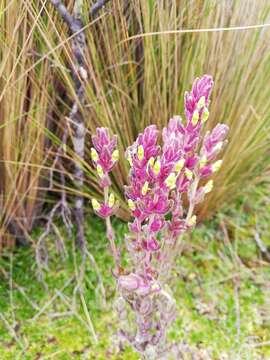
x: 164, y: 185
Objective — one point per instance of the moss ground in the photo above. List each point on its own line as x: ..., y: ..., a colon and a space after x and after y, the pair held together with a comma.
x: 221, y: 282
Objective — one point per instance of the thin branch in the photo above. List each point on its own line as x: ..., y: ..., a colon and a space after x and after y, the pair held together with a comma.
x: 11, y: 331
x: 21, y: 290
x: 263, y: 249
x: 237, y: 308
x: 63, y: 12
x: 54, y: 297
x: 89, y: 326
x: 96, y: 7
x: 75, y: 119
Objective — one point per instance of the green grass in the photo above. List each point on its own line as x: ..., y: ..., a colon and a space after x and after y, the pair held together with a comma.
x: 221, y: 283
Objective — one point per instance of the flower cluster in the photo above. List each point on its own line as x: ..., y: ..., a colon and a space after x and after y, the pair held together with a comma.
x: 164, y: 185
x: 104, y: 156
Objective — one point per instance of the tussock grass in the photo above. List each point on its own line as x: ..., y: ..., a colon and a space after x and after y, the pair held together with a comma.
x: 138, y: 80
x: 134, y: 81
x: 25, y: 103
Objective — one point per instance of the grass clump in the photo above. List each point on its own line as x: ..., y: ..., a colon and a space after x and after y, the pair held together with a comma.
x: 140, y: 60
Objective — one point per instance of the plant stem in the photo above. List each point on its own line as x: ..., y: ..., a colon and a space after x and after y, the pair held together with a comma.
x: 111, y: 234
x: 192, y: 195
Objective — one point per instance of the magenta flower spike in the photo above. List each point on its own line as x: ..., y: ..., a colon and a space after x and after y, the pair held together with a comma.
x: 160, y: 177
x: 104, y: 154
x: 198, y: 99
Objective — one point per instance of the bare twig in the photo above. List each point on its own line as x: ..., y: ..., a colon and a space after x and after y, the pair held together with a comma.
x: 88, y: 325
x: 75, y: 118
x: 58, y: 315
x: 11, y: 331
x: 53, y: 355
x: 96, y: 7
x: 261, y: 246
x: 80, y: 274
x: 20, y: 289
x: 257, y: 345
x: 54, y: 297
x: 41, y: 250
x: 63, y: 11
x: 75, y: 122
x: 237, y: 308
x: 88, y: 318
x: 11, y: 287
x: 100, y: 281
x: 60, y: 244
x: 227, y: 242
x: 62, y: 207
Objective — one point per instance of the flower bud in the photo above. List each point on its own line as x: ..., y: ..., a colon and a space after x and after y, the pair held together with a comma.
x: 201, y: 103
x: 145, y: 188
x: 188, y: 173
x: 218, y: 146
x: 129, y: 159
x: 195, y: 118
x: 157, y: 224
x: 151, y: 161
x: 217, y: 165
x: 94, y: 155
x: 179, y: 165
x: 219, y: 132
x: 206, y: 171
x: 140, y: 152
x: 156, y: 167
x: 100, y: 171
x: 205, y: 115
x: 155, y: 287
x: 208, y: 187
x: 111, y: 200
x: 115, y: 155
x: 129, y: 282
x: 171, y: 181
x: 192, y: 221
x: 131, y: 204
x: 96, y: 205
x: 202, y: 161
